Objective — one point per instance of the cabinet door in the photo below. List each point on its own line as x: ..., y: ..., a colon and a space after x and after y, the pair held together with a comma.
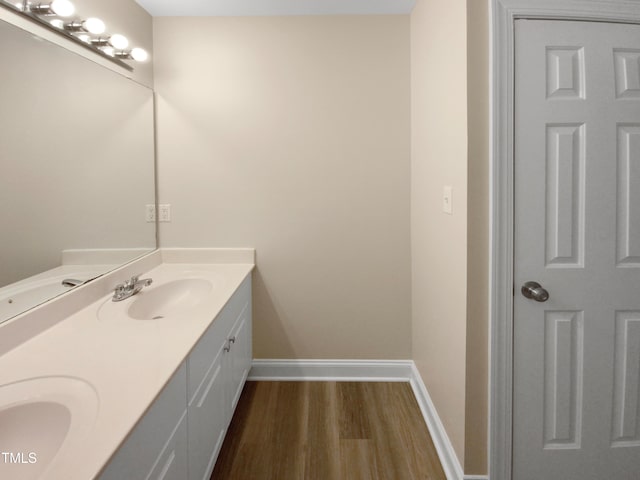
x: 207, y: 419
x: 204, y: 353
x: 239, y: 356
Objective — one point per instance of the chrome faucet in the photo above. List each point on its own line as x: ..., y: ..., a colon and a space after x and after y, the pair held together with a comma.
x: 130, y: 287
x: 74, y: 282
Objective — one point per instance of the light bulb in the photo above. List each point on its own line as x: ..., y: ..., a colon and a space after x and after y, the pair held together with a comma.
x: 94, y: 25
x: 57, y: 23
x: 119, y: 42
x: 63, y: 8
x: 139, y: 54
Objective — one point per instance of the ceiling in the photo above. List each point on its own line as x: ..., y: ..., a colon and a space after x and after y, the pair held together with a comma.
x: 178, y: 8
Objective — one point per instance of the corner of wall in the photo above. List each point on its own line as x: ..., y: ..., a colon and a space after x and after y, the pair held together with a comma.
x: 439, y: 241
x: 477, y: 355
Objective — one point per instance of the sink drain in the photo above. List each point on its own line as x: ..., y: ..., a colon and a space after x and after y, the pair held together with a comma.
x: 157, y: 317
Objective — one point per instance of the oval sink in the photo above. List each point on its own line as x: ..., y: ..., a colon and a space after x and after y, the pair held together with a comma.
x: 42, y: 420
x: 169, y: 299
x: 21, y: 433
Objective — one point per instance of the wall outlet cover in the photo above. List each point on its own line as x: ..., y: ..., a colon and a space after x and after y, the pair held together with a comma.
x: 164, y: 212
x: 150, y: 213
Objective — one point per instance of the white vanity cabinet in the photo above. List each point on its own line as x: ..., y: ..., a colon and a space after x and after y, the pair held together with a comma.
x: 217, y: 369
x: 240, y: 355
x: 181, y: 434
x: 157, y: 447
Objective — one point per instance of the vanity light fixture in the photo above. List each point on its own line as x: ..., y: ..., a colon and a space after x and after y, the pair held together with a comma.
x: 90, y: 32
x: 115, y: 46
x: 61, y: 8
x: 137, y: 54
x: 117, y: 41
x: 90, y: 25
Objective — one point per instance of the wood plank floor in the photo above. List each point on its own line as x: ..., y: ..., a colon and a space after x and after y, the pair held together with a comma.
x: 327, y: 431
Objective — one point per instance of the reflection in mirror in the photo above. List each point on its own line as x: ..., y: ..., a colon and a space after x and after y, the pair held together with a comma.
x: 77, y: 169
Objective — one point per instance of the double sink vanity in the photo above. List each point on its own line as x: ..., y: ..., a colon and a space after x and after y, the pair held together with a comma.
x: 141, y: 388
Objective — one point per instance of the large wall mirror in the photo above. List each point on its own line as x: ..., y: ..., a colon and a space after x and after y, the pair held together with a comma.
x: 76, y: 170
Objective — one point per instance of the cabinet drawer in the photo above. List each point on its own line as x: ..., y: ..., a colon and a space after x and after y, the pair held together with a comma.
x: 207, y: 421
x: 173, y: 461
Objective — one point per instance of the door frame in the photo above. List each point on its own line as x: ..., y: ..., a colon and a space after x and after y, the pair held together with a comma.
x: 502, y: 18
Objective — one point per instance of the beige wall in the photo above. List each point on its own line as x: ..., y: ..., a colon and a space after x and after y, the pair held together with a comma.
x: 291, y: 135
x: 449, y: 91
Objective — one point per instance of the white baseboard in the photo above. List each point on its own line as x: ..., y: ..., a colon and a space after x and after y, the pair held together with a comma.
x: 332, y: 370
x: 370, y: 371
x: 448, y: 457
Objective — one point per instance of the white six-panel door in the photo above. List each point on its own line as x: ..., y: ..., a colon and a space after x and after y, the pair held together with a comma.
x: 577, y: 233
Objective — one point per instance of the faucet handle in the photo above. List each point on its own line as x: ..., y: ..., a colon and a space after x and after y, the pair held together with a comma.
x: 134, y: 279
x: 118, y: 291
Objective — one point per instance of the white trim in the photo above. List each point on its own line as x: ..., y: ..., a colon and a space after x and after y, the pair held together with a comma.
x: 504, y: 13
x: 446, y: 453
x: 238, y: 8
x: 331, y: 370
x: 369, y: 371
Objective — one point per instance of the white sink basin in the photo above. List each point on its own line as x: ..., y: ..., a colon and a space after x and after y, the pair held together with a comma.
x: 169, y: 299
x: 41, y: 421
x: 172, y: 299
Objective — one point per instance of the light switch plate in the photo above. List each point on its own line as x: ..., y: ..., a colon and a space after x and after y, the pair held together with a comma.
x: 447, y: 199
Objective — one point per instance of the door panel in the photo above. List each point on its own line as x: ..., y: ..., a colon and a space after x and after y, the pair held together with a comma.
x: 565, y: 72
x: 628, y: 207
x: 626, y: 394
x: 627, y: 71
x: 577, y: 233
x: 563, y: 379
x: 565, y: 195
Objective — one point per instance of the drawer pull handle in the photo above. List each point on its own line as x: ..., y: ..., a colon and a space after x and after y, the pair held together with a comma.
x: 232, y: 340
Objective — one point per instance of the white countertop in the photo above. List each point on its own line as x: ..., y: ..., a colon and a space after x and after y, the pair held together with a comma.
x: 127, y: 362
